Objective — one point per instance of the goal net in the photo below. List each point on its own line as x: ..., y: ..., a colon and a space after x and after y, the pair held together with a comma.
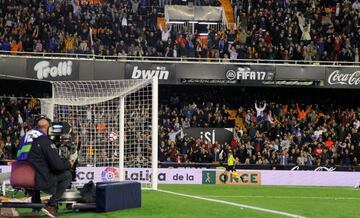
x: 115, y: 122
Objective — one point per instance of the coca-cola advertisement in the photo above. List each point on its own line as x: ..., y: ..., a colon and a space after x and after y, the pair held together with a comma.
x: 345, y: 77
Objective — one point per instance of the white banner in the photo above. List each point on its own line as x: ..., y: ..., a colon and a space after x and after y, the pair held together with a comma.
x: 195, y: 176
x: 143, y: 175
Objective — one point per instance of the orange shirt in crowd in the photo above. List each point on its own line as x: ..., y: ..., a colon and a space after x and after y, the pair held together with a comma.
x: 301, y: 113
x: 15, y: 47
x: 232, y: 114
x: 329, y: 144
x: 181, y: 40
x: 286, y: 109
x: 69, y: 42
x: 101, y: 127
x: 90, y: 2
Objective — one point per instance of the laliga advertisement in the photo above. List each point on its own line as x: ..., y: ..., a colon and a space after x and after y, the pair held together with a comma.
x: 168, y: 176
x: 143, y: 175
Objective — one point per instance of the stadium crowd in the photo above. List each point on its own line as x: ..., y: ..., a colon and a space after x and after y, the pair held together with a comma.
x: 308, y: 30
x: 275, y: 131
x: 268, y: 127
x: 16, y: 117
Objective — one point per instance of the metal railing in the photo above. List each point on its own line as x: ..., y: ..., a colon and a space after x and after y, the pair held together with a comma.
x: 170, y: 59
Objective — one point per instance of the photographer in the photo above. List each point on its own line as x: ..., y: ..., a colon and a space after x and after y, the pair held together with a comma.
x: 53, y: 173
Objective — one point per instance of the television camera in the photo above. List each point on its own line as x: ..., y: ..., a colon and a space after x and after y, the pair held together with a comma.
x: 62, y: 135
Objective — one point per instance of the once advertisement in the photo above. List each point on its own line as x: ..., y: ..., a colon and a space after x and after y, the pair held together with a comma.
x: 343, y: 77
x: 138, y: 70
x: 220, y: 135
x: 238, y: 178
x: 52, y: 69
x: 283, y: 177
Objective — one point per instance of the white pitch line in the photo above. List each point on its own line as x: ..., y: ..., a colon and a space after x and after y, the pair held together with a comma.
x: 280, y: 197
x: 234, y: 204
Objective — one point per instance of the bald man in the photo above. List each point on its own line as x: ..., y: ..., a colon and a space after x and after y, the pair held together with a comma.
x: 53, y: 173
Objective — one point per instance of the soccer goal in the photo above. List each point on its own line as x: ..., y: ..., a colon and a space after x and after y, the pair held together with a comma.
x: 115, y: 121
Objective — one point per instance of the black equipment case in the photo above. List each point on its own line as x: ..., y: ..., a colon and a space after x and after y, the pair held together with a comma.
x: 113, y: 196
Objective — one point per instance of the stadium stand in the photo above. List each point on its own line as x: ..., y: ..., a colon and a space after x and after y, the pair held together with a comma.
x: 309, y: 30
x: 291, y: 130
x: 284, y: 133
x: 15, y: 119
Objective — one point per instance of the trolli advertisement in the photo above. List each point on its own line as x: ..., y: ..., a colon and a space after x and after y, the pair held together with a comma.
x: 221, y: 135
x: 52, y: 69
x: 344, y: 77
x: 138, y: 70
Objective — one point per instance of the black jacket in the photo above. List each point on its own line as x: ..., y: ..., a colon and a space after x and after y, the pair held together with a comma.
x: 47, y: 162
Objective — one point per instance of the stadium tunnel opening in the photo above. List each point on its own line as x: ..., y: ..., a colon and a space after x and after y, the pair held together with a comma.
x: 232, y: 96
x: 25, y: 88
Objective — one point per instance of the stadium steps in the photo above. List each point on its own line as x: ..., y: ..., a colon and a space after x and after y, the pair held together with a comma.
x: 229, y: 12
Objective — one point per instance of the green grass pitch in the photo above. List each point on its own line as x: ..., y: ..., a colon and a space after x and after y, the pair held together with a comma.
x: 303, y: 201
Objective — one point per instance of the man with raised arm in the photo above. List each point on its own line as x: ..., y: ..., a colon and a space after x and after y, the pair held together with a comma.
x: 259, y: 112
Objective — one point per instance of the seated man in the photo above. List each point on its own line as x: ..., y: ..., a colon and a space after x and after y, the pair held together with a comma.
x: 53, y: 173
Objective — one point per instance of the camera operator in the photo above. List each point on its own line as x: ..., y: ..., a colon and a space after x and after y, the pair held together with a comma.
x: 53, y: 173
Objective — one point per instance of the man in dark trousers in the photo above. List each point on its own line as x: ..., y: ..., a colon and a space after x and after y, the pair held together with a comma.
x: 53, y: 175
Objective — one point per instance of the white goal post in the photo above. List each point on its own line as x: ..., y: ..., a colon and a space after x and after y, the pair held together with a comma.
x: 115, y: 121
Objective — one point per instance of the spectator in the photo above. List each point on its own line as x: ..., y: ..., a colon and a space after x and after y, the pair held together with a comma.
x: 356, y: 5
x: 301, y: 113
x: 313, y: 31
x: 5, y: 45
x: 16, y: 46
x: 38, y: 46
x: 233, y: 53
x: 308, y: 159
x: 260, y: 111
x: 284, y: 158
x: 318, y: 136
x: 165, y: 34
